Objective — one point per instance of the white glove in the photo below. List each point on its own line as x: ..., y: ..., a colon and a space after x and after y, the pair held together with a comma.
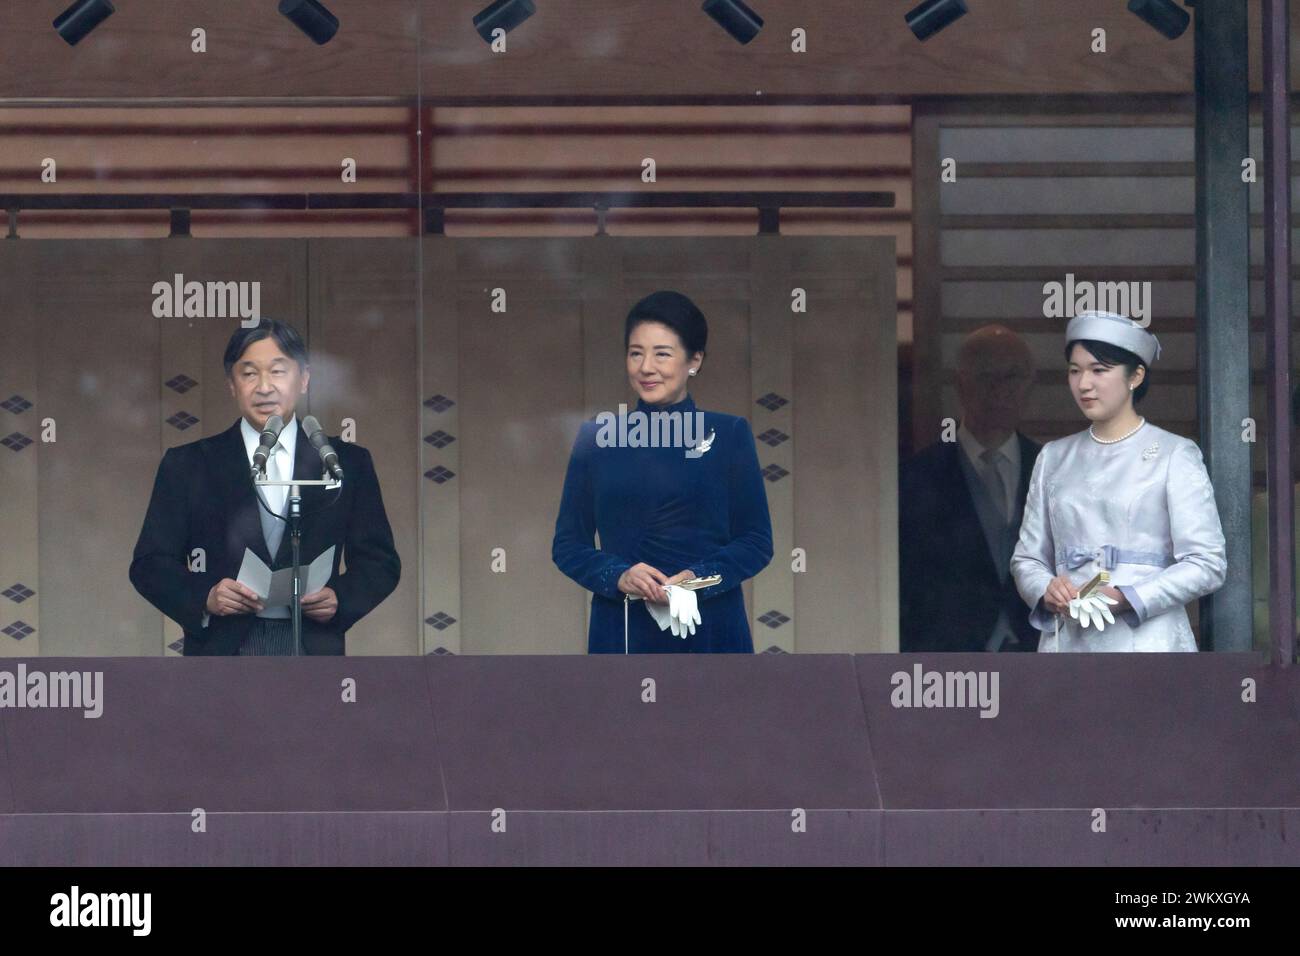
x: 662, y: 614
x: 685, y: 609
x: 681, y: 614
x: 1092, y: 609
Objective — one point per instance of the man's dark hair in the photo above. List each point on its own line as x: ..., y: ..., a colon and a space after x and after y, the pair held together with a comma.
x: 674, y: 310
x: 285, y: 335
x: 1110, y: 356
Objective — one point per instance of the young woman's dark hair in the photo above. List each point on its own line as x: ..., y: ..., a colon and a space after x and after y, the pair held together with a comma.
x: 675, y: 311
x: 1110, y: 356
x: 285, y: 335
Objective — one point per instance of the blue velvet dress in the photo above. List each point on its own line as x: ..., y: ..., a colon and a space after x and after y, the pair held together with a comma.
x: 705, y: 512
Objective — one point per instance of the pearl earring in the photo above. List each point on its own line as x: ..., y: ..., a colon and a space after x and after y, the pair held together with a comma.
x: 691, y: 372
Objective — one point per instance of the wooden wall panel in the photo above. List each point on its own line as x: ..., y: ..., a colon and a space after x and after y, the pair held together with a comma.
x: 438, y: 554
x: 143, y: 50
x: 364, y: 344
x: 592, y: 48
x: 20, y: 453
x: 520, y: 381
x: 846, y: 514
x: 106, y: 408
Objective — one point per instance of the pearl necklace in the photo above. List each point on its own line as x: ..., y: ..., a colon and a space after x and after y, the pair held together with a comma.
x: 1111, y: 441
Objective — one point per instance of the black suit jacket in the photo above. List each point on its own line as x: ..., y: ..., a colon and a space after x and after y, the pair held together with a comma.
x: 950, y: 595
x: 204, y: 497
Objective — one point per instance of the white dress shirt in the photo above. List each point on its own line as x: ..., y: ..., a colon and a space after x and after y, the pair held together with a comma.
x: 276, y: 495
x: 1009, y: 465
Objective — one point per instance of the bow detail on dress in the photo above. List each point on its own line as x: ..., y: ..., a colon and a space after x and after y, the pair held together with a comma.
x: 1077, y: 557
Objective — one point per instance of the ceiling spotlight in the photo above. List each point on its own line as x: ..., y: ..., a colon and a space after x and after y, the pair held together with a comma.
x: 311, y: 18
x: 933, y: 15
x: 737, y: 19
x: 80, y: 18
x: 1165, y: 15
x: 503, y: 15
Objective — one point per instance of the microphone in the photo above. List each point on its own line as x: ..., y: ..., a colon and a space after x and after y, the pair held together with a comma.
x: 316, y: 435
x: 270, y: 435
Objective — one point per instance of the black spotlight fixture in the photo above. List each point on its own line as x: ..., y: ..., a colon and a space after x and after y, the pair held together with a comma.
x: 933, y: 15
x: 502, y: 15
x: 311, y: 17
x: 79, y: 19
x: 1165, y: 15
x: 737, y: 19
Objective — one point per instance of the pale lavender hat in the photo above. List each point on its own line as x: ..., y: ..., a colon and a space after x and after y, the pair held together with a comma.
x: 1117, y: 330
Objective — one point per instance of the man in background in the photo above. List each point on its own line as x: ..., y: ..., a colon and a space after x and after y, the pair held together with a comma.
x: 960, y: 506
x: 1260, y: 557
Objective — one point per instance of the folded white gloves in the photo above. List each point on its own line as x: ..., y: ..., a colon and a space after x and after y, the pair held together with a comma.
x: 681, y: 613
x: 1092, y: 609
x: 684, y: 606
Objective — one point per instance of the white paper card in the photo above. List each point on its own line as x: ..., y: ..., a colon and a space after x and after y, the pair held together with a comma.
x: 275, y: 588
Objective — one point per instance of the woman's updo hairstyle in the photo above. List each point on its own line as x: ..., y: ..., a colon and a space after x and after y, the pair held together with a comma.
x: 675, y: 311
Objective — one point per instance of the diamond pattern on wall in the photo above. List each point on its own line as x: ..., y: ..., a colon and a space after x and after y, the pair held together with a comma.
x: 439, y: 439
x: 16, y: 404
x: 772, y: 401
x: 774, y: 472
x: 18, y: 593
x: 439, y: 474
x: 773, y: 619
x: 18, y: 630
x: 178, y: 646
x: 180, y: 383
x: 440, y: 621
x: 182, y: 420
x: 773, y: 437
x: 15, y: 441
x: 439, y: 403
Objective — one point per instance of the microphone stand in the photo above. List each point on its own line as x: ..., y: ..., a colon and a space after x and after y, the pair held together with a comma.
x: 295, y: 541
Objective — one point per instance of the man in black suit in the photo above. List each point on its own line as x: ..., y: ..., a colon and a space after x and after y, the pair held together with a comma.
x: 960, y: 506
x: 204, y: 498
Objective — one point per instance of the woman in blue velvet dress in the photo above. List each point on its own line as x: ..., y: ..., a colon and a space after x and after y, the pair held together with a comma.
x: 666, y: 511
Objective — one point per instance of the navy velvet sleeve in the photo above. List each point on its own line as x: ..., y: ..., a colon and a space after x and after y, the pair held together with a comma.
x: 573, y: 547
